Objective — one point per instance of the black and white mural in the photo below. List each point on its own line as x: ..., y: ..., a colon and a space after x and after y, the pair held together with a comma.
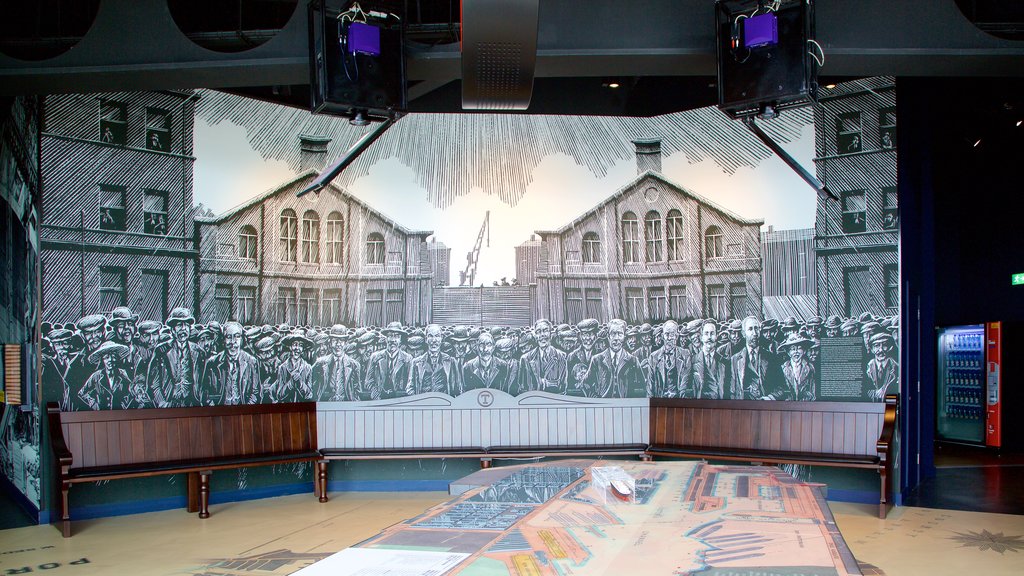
x: 578, y: 256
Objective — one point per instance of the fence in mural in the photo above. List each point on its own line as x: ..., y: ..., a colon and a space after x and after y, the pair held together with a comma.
x: 116, y: 362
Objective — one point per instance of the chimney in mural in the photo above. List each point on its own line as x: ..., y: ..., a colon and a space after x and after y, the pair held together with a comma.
x: 648, y: 155
x: 313, y: 152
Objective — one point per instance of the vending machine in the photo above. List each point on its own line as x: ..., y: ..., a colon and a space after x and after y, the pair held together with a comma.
x: 972, y: 398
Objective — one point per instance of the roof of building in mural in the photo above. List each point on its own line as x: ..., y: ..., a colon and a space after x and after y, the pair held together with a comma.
x: 298, y: 183
x: 453, y: 154
x: 631, y: 185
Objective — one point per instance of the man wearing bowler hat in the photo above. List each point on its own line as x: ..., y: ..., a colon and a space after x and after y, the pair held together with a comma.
x: 336, y: 376
x: 93, y: 331
x: 122, y: 323
x: 388, y: 369
x: 174, y: 371
x: 578, y: 360
x: 57, y: 364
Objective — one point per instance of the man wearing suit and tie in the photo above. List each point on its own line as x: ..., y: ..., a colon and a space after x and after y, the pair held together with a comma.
x: 485, y: 370
x: 669, y: 365
x: 57, y: 365
x: 232, y: 376
x: 434, y: 371
x: 544, y: 368
x: 175, y: 370
x: 336, y: 375
x: 615, y: 373
x: 388, y: 369
x: 750, y: 380
x: 709, y: 371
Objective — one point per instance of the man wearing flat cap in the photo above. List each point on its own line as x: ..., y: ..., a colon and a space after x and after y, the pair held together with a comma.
x: 578, y: 360
x: 883, y: 371
x: 174, y: 371
x: 434, y: 371
x: 265, y: 351
x: 122, y: 323
x: 543, y: 368
x: 231, y: 376
x: 388, y: 369
x: 93, y: 331
x: 56, y: 365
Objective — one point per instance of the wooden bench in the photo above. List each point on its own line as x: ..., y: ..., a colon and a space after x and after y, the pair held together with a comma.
x: 113, y: 444
x: 841, y: 434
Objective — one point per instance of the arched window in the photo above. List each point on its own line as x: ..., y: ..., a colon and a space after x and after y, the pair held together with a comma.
x: 375, y: 248
x: 591, y: 248
x: 247, y: 243
x: 335, y: 233
x: 630, y: 238
x: 652, y: 233
x: 674, y: 231
x: 311, y: 237
x: 289, y: 235
x: 713, y: 243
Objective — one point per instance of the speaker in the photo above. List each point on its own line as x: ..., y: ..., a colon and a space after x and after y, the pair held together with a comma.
x: 499, y: 53
x: 765, y: 61
x: 357, y: 59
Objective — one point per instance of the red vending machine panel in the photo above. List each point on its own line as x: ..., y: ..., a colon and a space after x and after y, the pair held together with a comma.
x: 993, y: 403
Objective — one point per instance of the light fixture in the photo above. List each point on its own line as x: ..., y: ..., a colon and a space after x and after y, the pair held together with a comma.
x: 977, y: 142
x: 830, y: 86
x: 613, y: 84
x: 1019, y: 122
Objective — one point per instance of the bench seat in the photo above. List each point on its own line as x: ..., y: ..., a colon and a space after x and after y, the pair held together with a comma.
x: 770, y: 456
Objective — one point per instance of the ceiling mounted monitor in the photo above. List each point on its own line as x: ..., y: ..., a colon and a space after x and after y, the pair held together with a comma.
x: 767, y: 57
x: 499, y: 53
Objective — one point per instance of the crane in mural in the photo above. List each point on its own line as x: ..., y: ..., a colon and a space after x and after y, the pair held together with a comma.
x: 467, y: 276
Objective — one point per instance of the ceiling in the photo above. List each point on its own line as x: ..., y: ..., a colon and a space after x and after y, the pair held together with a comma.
x: 660, y: 53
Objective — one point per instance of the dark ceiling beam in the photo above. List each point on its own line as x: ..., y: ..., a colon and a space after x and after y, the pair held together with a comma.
x: 134, y: 45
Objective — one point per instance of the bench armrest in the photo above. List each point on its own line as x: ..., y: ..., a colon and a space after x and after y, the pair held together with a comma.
x: 60, y: 447
x: 884, y: 444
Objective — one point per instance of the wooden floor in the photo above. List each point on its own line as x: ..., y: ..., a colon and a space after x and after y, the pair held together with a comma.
x: 280, y: 535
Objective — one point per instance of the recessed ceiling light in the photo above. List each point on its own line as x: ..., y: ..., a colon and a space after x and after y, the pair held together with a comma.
x: 613, y: 84
x: 1019, y: 122
x: 830, y: 86
x: 977, y: 142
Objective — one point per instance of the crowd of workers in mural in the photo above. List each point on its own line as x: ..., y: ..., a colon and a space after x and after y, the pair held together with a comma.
x: 115, y: 361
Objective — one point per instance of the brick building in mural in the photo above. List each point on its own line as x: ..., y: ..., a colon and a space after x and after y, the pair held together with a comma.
x: 857, y: 238
x: 652, y: 250
x: 319, y: 259
x: 117, y: 204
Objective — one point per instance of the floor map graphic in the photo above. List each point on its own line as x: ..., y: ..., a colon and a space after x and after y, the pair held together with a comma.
x: 683, y: 518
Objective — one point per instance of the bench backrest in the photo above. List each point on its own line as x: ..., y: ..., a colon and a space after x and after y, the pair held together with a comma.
x: 482, y: 418
x: 113, y: 437
x: 849, y: 428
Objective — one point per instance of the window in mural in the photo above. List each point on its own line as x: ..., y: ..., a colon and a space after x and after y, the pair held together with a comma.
x: 574, y: 304
x: 286, y: 304
x: 677, y: 302
x: 222, y: 302
x: 375, y: 248
x: 335, y: 234
x: 890, y: 208
x: 635, y: 305
x: 112, y: 211
x: 717, y: 302
x: 892, y: 286
x: 111, y: 288
x: 374, y: 307
x: 310, y: 237
x: 154, y: 212
x: 331, y: 308
x: 591, y: 248
x: 713, y: 240
x: 247, y: 246
x: 153, y: 296
x: 848, y: 133
x: 738, y: 300
x: 594, y: 303
x: 674, y: 228
x: 857, y: 288
x: 308, y: 304
x: 289, y: 236
x: 158, y: 130
x: 630, y: 238
x: 652, y: 233
x: 113, y: 123
x: 854, y: 211
x: 394, y: 306
x: 246, y: 304
x: 656, y: 303
x: 887, y: 127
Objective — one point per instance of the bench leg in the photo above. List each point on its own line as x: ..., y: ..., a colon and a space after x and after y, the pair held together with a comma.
x: 321, y: 479
x: 646, y: 458
x: 193, y: 492
x: 485, y: 463
x: 204, y: 494
x: 65, y: 510
x: 883, y: 501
